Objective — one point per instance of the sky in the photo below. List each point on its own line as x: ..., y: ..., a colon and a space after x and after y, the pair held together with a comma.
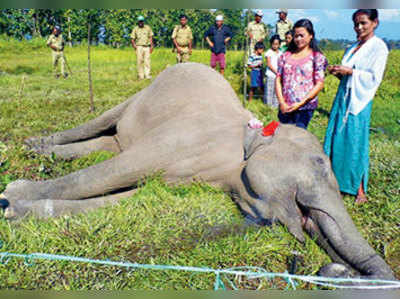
x: 337, y: 23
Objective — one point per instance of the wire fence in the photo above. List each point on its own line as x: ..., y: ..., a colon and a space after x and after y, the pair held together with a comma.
x: 222, y: 276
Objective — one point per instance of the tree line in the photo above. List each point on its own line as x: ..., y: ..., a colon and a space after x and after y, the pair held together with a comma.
x: 113, y: 26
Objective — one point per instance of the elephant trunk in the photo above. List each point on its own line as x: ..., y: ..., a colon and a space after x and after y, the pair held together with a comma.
x: 347, y: 242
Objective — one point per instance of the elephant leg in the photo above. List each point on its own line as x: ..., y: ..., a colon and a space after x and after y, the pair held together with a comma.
x: 121, y: 171
x: 243, y: 206
x: 91, y: 129
x: 79, y: 149
x: 45, y: 208
x: 111, y: 175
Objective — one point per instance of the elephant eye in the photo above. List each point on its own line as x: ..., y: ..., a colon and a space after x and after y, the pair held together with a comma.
x: 319, y: 160
x: 321, y: 168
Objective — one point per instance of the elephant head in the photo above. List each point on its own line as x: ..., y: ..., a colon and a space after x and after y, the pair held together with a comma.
x: 289, y: 179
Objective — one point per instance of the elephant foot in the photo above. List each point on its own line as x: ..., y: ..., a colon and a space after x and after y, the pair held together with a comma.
x: 16, y: 191
x: 13, y: 212
x: 40, y: 145
x: 10, y: 197
x: 43, y: 208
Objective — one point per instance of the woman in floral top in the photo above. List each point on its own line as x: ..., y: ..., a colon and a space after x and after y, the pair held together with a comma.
x: 300, y: 76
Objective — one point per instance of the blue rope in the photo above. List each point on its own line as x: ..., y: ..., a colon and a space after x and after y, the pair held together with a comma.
x: 249, y: 272
x: 219, y: 284
x: 290, y: 282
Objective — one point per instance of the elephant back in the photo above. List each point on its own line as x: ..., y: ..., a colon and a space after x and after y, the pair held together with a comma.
x: 189, y: 98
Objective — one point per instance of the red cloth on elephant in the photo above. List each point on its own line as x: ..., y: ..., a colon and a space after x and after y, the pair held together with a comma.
x: 270, y: 128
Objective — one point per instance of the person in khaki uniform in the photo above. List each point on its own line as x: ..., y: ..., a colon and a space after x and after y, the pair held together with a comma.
x: 142, y: 42
x: 56, y: 43
x: 256, y: 31
x: 283, y: 25
x: 182, y: 37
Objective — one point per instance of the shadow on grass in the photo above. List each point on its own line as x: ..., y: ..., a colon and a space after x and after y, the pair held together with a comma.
x: 189, y: 239
x: 20, y: 69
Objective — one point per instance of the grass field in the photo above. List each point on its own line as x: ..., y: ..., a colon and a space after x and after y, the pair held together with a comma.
x: 192, y: 225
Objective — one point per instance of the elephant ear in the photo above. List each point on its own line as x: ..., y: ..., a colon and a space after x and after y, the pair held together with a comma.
x: 253, y: 140
x: 277, y: 196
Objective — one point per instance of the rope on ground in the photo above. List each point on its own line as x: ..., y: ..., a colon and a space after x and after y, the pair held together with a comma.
x: 249, y: 272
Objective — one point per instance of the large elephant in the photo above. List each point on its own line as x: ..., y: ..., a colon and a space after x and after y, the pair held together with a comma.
x: 190, y: 124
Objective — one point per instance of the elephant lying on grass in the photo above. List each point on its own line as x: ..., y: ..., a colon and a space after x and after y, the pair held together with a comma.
x: 190, y: 124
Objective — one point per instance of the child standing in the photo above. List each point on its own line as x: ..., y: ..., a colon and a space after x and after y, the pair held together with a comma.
x: 288, y: 39
x: 255, y: 63
x: 272, y: 57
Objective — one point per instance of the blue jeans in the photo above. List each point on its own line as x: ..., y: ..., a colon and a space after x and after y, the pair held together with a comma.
x: 300, y: 118
x: 256, y: 79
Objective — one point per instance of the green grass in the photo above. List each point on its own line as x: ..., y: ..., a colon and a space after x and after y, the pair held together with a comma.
x: 193, y: 225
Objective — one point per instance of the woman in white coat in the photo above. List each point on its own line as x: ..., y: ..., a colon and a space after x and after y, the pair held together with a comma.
x: 347, y: 135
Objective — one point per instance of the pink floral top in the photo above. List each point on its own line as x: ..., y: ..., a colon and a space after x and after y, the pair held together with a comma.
x: 299, y: 77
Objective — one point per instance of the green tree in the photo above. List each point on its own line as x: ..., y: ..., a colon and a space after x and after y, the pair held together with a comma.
x: 117, y: 23
x: 18, y: 22
x: 3, y: 21
x: 200, y: 20
x: 235, y: 18
x: 76, y: 20
x: 114, y: 26
x: 43, y: 21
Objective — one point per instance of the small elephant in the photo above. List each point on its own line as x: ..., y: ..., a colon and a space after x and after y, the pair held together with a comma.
x: 190, y: 124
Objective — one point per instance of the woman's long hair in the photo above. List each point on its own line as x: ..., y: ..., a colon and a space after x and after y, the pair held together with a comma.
x: 308, y: 25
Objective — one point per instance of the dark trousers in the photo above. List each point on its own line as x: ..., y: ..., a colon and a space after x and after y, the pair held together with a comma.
x: 300, y: 118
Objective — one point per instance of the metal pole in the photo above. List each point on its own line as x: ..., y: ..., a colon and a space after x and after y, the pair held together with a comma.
x: 92, y: 108
x: 66, y: 62
x: 246, y: 53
